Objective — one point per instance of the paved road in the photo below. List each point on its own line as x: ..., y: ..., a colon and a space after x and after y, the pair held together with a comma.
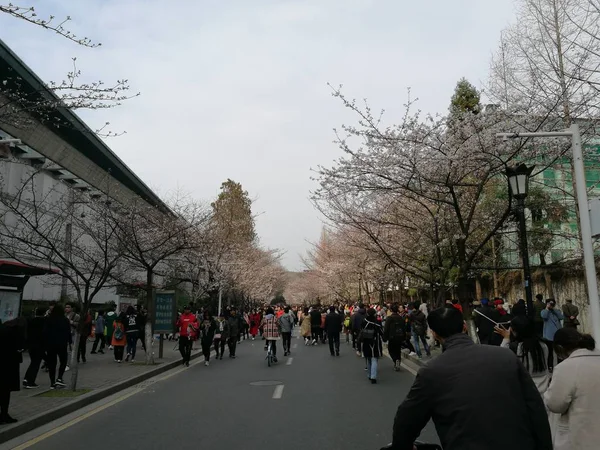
x: 326, y: 403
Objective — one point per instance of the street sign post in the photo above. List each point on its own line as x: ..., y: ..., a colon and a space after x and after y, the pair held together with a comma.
x: 165, y: 315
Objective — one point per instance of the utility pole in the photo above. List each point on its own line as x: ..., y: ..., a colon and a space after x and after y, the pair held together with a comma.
x: 584, y: 213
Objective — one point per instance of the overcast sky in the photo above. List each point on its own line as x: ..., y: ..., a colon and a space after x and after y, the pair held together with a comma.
x: 238, y: 88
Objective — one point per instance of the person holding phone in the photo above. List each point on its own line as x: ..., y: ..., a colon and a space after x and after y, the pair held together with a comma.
x: 552, y: 318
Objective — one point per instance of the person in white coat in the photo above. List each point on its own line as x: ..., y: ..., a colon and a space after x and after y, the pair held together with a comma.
x: 574, y: 392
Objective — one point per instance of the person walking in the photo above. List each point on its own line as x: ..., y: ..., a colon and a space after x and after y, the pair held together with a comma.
x: 347, y: 326
x: 305, y: 327
x: 394, y: 333
x: 111, y: 315
x: 35, y: 347
x: 418, y: 326
x: 529, y: 348
x: 74, y: 323
x: 286, y: 324
x: 357, y: 324
x: 142, y: 317
x: 86, y: 332
x: 234, y: 331
x: 333, y: 328
x: 254, y: 324
x: 371, y: 341
x: 100, y: 338
x: 131, y: 332
x: 552, y: 323
x: 315, y: 324
x: 57, y: 336
x: 208, y: 328
x: 571, y: 314
x: 574, y: 392
x: 119, y: 337
x: 221, y: 336
x: 12, y: 344
x: 187, y: 324
x: 482, y: 317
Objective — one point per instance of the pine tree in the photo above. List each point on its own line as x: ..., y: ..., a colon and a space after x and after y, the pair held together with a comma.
x: 465, y: 99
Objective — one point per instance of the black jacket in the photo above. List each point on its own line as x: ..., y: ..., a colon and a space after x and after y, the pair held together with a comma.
x: 357, y: 320
x: 333, y: 323
x: 395, y: 328
x: 315, y: 318
x: 35, y: 334
x: 57, y: 332
x: 485, y: 326
x: 471, y: 392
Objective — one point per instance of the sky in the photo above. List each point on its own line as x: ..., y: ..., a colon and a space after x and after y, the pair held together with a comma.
x: 239, y: 88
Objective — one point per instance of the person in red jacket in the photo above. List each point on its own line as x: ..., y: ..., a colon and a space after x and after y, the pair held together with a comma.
x: 188, y: 326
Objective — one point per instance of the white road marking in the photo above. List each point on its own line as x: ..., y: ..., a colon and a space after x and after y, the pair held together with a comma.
x: 295, y: 346
x: 289, y: 361
x: 278, y: 392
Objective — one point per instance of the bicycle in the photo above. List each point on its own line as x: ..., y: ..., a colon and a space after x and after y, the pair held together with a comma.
x: 270, y: 357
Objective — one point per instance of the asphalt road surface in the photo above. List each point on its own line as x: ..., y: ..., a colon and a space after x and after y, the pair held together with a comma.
x: 308, y: 401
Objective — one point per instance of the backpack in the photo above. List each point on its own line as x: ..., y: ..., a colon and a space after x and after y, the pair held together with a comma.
x: 397, y: 330
x: 347, y: 322
x: 118, y: 334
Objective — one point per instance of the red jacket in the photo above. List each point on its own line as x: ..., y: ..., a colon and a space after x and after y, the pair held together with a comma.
x: 188, y: 322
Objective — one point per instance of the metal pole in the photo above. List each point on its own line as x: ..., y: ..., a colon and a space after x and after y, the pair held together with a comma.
x: 586, y: 232
x: 524, y: 252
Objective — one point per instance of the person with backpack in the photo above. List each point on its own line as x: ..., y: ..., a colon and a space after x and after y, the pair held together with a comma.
x: 394, y: 333
x: 118, y: 337
x: 132, y: 332
x: 347, y: 326
x: 418, y: 325
x: 109, y: 320
x: 371, y: 340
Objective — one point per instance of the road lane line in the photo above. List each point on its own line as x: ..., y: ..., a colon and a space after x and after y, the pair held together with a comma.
x: 289, y: 361
x: 75, y: 421
x: 278, y: 392
x: 295, y: 346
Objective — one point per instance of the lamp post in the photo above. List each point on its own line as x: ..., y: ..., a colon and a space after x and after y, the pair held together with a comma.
x: 518, y: 182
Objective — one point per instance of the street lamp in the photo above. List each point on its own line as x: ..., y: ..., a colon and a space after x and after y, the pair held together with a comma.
x: 585, y: 226
x: 518, y: 181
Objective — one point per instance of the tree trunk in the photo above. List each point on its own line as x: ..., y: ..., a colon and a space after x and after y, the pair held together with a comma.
x: 150, y: 319
x: 478, y: 289
x: 548, y: 284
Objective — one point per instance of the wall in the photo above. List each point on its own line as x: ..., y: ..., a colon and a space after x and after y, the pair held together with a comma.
x: 571, y: 287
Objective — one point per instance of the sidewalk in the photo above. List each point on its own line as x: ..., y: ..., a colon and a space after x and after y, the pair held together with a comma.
x: 101, y: 375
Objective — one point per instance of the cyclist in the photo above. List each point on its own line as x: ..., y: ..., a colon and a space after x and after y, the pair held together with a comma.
x: 271, y: 331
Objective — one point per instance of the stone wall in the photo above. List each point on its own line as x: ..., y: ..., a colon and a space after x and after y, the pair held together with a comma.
x: 567, y: 287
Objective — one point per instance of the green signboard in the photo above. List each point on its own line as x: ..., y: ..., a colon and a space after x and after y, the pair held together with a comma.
x: 165, y: 312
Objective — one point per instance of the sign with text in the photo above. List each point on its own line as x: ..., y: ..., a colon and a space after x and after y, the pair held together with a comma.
x: 165, y: 312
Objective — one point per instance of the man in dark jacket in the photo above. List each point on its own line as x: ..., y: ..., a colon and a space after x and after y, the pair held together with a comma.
x: 485, y: 327
x: 539, y: 305
x: 234, y: 332
x: 394, y: 333
x: 357, y: 322
x: 315, y: 325
x: 35, y: 346
x: 333, y: 328
x: 454, y: 390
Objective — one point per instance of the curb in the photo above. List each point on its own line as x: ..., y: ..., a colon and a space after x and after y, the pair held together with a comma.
x: 22, y: 427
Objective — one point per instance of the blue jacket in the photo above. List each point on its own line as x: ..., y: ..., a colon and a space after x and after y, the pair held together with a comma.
x: 552, y: 324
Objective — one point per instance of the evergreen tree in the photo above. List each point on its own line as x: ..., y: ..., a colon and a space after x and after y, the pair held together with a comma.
x: 465, y: 99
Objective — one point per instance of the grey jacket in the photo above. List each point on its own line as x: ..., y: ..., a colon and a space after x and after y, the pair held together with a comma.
x: 286, y: 321
x: 468, y: 390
